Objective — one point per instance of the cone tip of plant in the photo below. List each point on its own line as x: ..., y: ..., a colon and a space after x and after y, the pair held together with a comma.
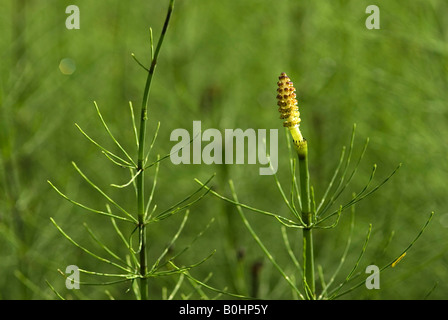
x: 287, y: 101
x: 287, y: 106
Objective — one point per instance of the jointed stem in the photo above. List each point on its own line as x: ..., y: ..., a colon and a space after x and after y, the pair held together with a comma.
x: 140, y: 163
x: 307, y: 214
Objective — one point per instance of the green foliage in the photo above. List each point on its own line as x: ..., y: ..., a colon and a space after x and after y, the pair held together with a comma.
x: 309, y: 217
x: 219, y: 65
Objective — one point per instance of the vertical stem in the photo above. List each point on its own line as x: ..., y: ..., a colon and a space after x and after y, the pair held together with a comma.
x: 309, y: 282
x: 140, y: 162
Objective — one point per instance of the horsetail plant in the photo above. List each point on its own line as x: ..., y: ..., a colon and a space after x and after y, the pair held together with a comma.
x: 289, y: 110
x: 307, y: 215
x: 135, y: 267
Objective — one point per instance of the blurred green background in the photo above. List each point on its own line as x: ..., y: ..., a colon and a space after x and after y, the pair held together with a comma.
x: 219, y: 64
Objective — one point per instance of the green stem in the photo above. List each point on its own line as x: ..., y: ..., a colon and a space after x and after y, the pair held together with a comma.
x: 140, y: 164
x: 308, y: 263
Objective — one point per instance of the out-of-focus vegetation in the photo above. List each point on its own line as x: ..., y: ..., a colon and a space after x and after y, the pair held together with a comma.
x: 219, y: 64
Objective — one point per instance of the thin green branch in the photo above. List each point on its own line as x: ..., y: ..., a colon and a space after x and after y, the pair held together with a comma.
x: 106, y: 152
x: 343, y: 257
x: 198, y: 288
x: 260, y: 243
x: 334, y: 293
x: 111, y: 135
x: 151, y: 195
x: 88, y: 251
x: 108, y: 214
x: 103, y: 193
x: 203, y: 284
x: 173, y: 240
x: 335, y: 296
x: 189, y: 245
x: 292, y: 166
x: 177, y: 286
x: 339, y: 190
x: 175, y: 208
x: 179, y: 270
x: 116, y: 162
x: 339, y: 213
x: 333, y: 178
x: 130, y: 278
x: 103, y: 246
x: 285, y: 199
x: 289, y: 249
x: 139, y: 63
x: 152, y: 145
x: 54, y: 290
x: 128, y: 183
x: 360, y: 197
x: 347, y: 163
x: 134, y: 125
x: 267, y: 213
x: 294, y: 193
x: 412, y: 242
